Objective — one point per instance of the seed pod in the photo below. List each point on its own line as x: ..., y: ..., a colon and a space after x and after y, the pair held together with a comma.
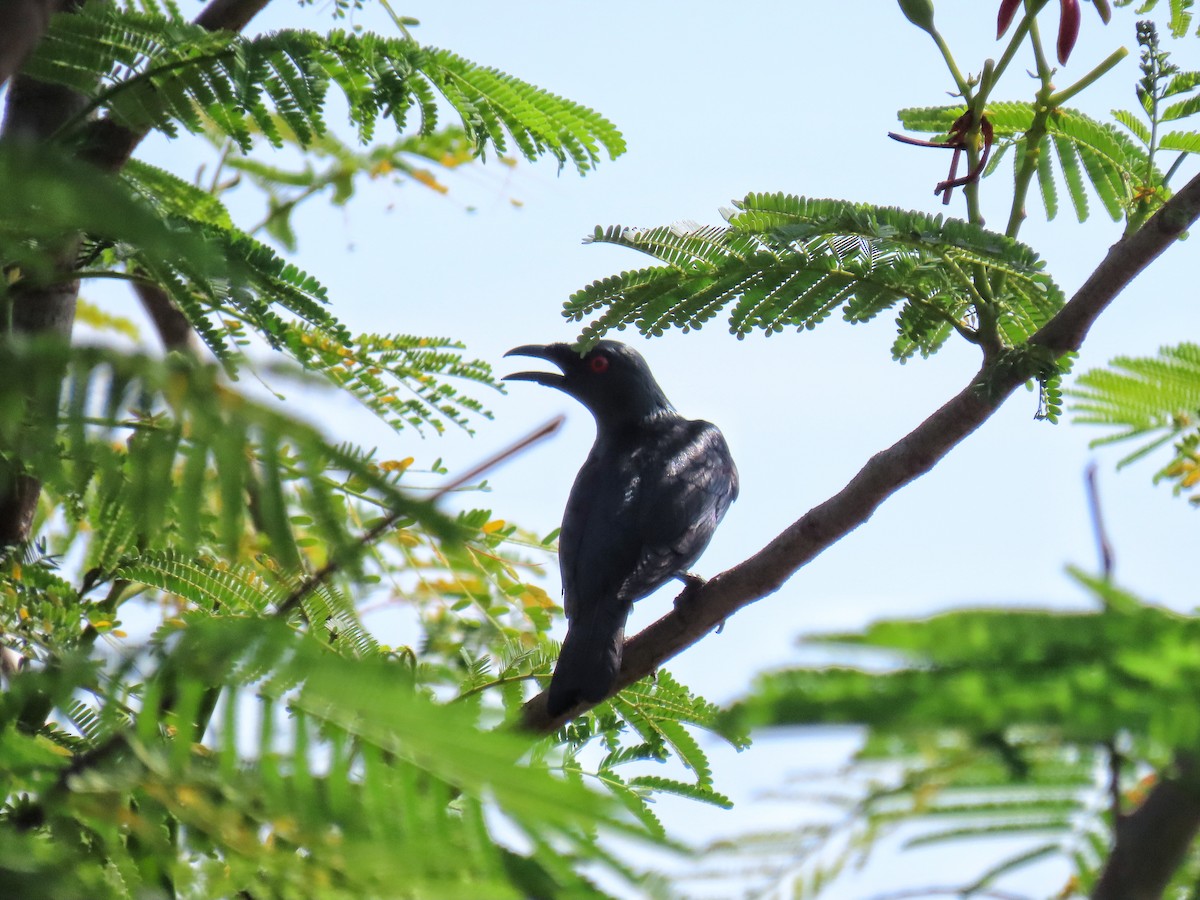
x: 1068, y: 29
x: 919, y: 12
x: 1008, y: 9
x: 1104, y: 9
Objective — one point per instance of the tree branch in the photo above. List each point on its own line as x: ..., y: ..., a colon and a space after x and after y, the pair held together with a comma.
x: 22, y: 24
x: 34, y: 112
x: 173, y: 327
x: 887, y: 471
x: 1151, y: 842
x: 229, y: 15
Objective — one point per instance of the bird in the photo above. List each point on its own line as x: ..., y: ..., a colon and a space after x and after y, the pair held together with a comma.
x: 643, y: 507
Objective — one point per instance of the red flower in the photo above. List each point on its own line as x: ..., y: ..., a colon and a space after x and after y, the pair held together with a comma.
x: 1008, y: 9
x: 1068, y: 22
x: 1068, y: 28
x: 956, y: 140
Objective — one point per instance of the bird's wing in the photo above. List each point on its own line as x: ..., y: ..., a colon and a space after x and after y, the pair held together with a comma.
x: 598, y: 546
x: 679, y: 509
x: 635, y: 520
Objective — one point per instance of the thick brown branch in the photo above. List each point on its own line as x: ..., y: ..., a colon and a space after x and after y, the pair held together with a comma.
x: 22, y: 24
x: 172, y: 325
x: 1151, y: 842
x: 18, y: 505
x: 229, y: 15
x: 35, y: 111
x: 888, y: 471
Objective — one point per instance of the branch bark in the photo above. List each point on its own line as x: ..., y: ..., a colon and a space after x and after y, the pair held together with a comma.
x: 1151, y: 842
x: 22, y: 24
x: 173, y: 327
x: 229, y: 15
x: 888, y: 471
x: 34, y: 112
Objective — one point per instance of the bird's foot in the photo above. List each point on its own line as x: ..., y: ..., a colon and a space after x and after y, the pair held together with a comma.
x: 692, y: 584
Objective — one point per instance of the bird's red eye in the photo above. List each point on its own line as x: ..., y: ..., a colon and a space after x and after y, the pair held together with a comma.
x: 598, y: 364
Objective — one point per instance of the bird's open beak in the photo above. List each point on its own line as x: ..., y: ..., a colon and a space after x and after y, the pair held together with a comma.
x: 559, y: 354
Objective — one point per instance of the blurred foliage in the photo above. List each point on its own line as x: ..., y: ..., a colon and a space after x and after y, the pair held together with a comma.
x: 983, y: 723
x: 1154, y: 399
x: 423, y: 159
x: 195, y: 704
x: 200, y: 709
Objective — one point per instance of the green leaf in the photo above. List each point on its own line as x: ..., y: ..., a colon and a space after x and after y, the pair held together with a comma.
x: 1134, y: 124
x: 1045, y: 174
x: 1113, y: 163
x: 202, y: 583
x: 1069, y: 161
x: 1186, y: 141
x: 786, y: 261
x: 1142, y: 395
x: 1156, y: 399
x: 1181, y: 110
x: 140, y: 435
x: 1083, y: 676
x: 157, y: 71
x: 701, y: 793
x: 354, y: 781
x: 405, y: 380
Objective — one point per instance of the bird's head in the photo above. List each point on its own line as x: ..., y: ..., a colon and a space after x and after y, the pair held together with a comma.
x: 611, y: 380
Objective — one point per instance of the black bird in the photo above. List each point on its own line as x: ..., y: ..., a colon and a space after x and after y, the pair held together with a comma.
x: 643, y: 508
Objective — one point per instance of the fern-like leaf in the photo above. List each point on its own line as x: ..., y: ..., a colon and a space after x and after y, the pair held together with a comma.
x: 405, y: 380
x: 785, y: 261
x: 189, y: 466
x: 158, y: 71
x: 986, y: 722
x: 1156, y: 399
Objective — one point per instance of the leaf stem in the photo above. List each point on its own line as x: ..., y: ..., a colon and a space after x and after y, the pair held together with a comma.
x: 1034, y: 137
x: 1174, y: 167
x: 1017, y: 39
x: 497, y: 682
x: 984, y: 335
x: 964, y: 86
x: 1090, y: 78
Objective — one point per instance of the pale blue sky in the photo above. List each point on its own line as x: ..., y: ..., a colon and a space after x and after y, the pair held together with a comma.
x: 716, y: 100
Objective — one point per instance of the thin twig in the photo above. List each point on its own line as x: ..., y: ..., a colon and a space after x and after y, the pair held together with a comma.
x: 368, y: 537
x: 1103, y: 547
x: 1114, y: 782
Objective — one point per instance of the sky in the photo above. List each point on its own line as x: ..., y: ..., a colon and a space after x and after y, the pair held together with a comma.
x: 715, y: 101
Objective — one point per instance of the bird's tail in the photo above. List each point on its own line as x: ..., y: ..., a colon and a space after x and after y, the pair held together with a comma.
x: 590, y: 657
